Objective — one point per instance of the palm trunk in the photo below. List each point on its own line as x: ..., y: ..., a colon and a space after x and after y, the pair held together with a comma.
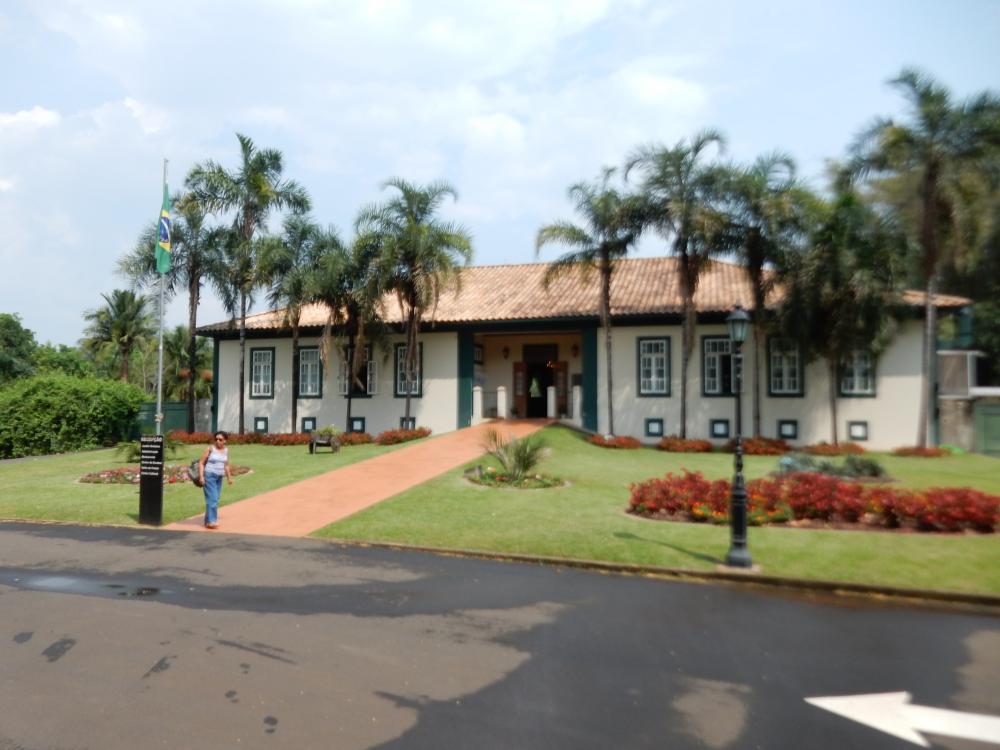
x: 243, y: 343
x: 193, y: 294
x: 606, y: 322
x: 927, y: 366
x: 349, y: 355
x: 295, y: 375
x: 756, y: 277
x: 831, y: 365
x: 687, y: 347
x: 411, y: 350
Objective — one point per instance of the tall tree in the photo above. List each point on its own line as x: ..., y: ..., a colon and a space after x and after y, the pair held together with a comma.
x: 936, y: 148
x: 288, y: 265
x: 195, y: 258
x: 120, y: 325
x: 176, y: 363
x: 682, y: 192
x: 766, y: 208
x: 17, y: 348
x: 420, y: 255
x: 251, y: 192
x: 613, y: 223
x: 840, y: 294
x: 347, y: 283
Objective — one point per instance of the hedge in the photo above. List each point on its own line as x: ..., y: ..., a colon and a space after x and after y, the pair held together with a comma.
x: 58, y: 413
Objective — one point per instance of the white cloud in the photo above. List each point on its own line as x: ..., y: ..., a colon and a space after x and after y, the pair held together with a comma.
x: 150, y: 119
x: 7, y: 184
x: 29, y: 119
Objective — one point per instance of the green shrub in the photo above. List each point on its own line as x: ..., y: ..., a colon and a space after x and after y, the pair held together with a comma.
x: 58, y: 413
x: 517, y: 457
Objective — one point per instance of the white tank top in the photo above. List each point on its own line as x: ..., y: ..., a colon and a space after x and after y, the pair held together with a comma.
x: 217, y: 460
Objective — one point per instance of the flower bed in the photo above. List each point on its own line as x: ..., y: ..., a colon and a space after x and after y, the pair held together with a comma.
x: 622, y: 442
x: 912, y: 450
x: 354, y: 438
x: 760, y: 446
x: 817, y: 497
x: 675, y: 444
x: 490, y: 477
x: 247, y: 438
x: 840, y: 449
x: 392, y: 437
x: 172, y: 474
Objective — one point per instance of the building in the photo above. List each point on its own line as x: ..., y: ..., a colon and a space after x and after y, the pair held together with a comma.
x: 504, y: 346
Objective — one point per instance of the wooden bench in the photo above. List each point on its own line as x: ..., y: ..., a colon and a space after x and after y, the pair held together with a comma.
x: 315, y: 441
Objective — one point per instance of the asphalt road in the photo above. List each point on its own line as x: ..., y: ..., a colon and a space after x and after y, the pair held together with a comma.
x: 123, y: 638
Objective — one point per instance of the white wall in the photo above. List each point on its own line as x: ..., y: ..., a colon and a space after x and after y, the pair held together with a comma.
x: 891, y: 414
x: 436, y: 409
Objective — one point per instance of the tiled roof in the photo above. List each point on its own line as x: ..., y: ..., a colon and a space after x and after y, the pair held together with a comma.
x: 639, y: 286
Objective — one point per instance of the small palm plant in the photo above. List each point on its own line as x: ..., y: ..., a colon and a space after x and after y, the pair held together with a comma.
x: 517, y: 456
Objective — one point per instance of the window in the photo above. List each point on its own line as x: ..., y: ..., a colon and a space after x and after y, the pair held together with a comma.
x: 720, y: 369
x: 784, y: 367
x: 788, y: 429
x: 719, y: 428
x: 407, y: 423
x: 368, y: 375
x: 857, y: 376
x: 310, y: 373
x: 857, y: 430
x: 654, y: 428
x: 417, y: 383
x: 308, y: 424
x: 357, y: 424
x: 260, y: 424
x: 654, y: 366
x: 262, y: 373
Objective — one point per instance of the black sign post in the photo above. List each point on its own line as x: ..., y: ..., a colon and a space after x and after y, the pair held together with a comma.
x: 151, y: 479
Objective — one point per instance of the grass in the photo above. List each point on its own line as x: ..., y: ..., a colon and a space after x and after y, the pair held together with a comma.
x: 47, y: 488
x: 586, y: 520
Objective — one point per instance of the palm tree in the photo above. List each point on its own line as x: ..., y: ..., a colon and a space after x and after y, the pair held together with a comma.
x: 120, y: 325
x: 195, y: 256
x: 936, y: 149
x: 347, y: 283
x: 288, y: 266
x: 420, y: 255
x: 251, y: 192
x: 840, y: 294
x: 765, y: 205
x: 682, y: 194
x: 176, y: 363
x: 613, y: 224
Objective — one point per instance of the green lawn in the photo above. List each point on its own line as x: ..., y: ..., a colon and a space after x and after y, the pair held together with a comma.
x: 47, y: 488
x: 586, y: 520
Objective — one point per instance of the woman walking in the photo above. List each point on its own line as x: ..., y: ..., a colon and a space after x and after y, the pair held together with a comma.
x: 213, y: 466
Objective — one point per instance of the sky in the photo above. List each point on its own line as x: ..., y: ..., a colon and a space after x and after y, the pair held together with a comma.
x: 511, y: 102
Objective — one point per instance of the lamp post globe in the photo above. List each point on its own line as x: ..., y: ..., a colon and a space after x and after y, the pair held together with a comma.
x: 738, y: 322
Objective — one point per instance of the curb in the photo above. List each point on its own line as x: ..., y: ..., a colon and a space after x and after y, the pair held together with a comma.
x: 836, y: 588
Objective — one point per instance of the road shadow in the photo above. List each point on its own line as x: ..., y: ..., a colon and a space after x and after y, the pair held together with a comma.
x: 629, y: 536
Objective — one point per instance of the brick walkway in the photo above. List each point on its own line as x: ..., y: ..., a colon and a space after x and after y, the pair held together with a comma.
x: 304, y: 507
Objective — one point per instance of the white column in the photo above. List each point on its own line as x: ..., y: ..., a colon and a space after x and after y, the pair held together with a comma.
x: 550, y: 402
x: 502, y: 412
x: 477, y: 404
x: 577, y: 417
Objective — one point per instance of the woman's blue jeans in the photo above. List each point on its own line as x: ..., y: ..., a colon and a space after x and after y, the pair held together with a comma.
x: 213, y: 488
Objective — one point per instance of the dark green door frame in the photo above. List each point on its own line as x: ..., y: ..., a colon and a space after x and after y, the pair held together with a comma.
x: 588, y: 352
x: 466, y: 372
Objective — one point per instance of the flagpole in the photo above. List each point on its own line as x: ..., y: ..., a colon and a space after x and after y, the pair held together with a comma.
x: 159, y: 361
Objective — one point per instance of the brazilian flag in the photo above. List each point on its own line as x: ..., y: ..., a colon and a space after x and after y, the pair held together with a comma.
x: 163, y: 243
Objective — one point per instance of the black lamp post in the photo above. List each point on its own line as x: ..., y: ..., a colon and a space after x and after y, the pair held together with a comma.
x: 738, y: 556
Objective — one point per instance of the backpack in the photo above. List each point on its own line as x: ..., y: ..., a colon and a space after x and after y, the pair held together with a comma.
x: 194, y: 473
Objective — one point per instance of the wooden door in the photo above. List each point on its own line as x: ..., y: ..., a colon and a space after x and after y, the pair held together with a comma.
x: 560, y: 372
x: 520, y: 390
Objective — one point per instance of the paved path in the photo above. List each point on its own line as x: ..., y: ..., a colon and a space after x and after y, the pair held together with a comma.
x: 304, y: 507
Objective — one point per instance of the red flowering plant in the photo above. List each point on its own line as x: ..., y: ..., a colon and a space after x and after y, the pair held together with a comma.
x: 760, y: 446
x: 392, y: 437
x: 354, y: 438
x: 172, y: 474
x: 918, y: 452
x: 675, y: 444
x: 622, y: 442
